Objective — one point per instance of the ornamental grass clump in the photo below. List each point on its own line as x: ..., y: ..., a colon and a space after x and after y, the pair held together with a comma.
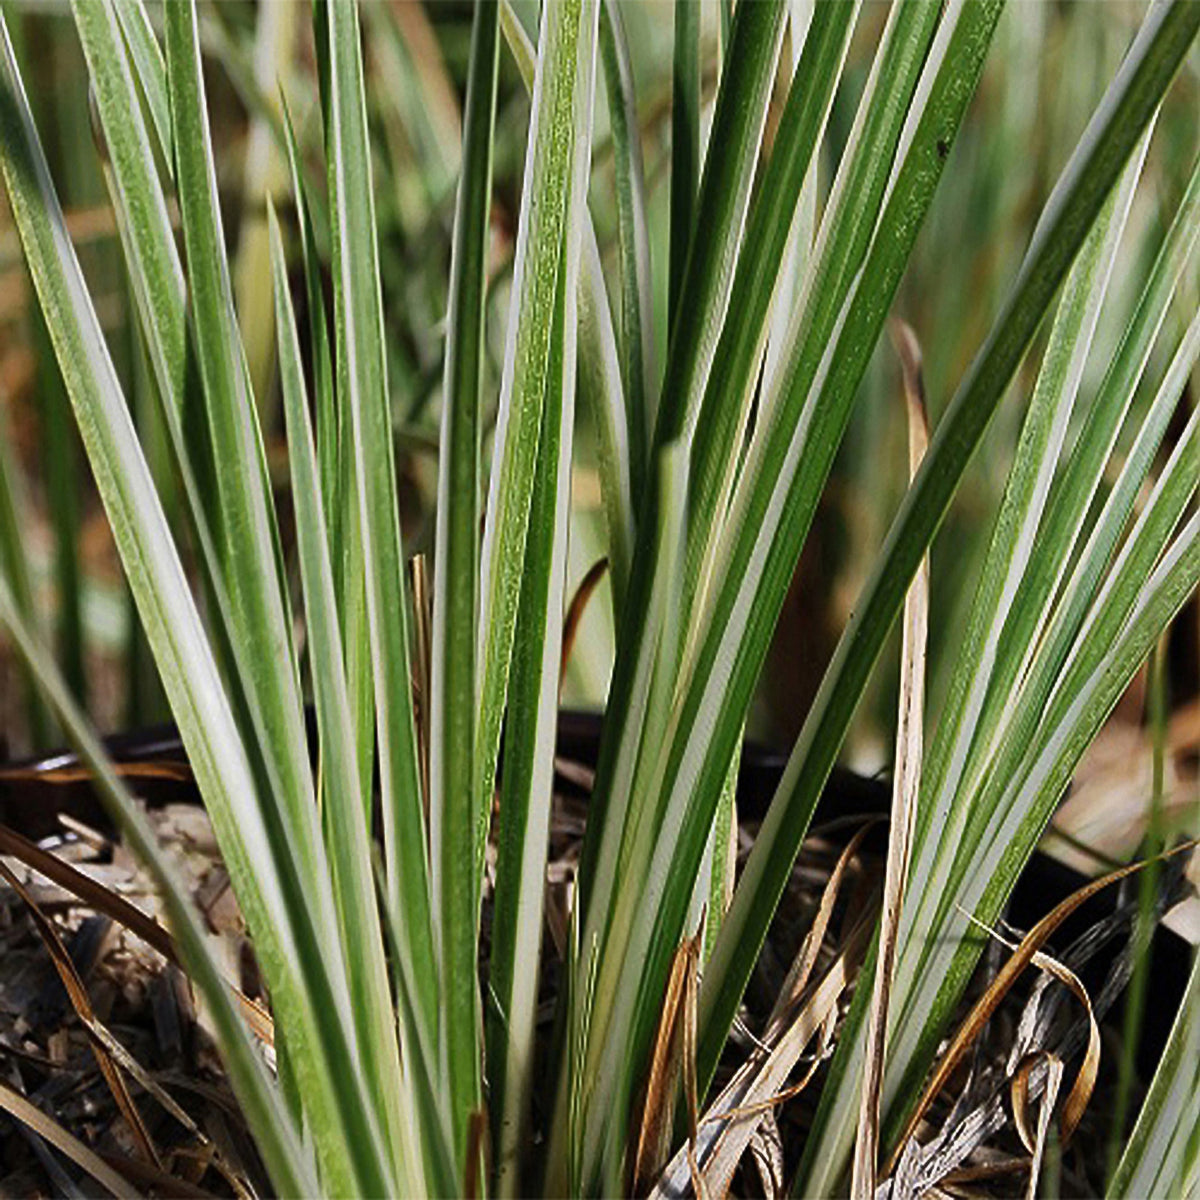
x: 364, y: 862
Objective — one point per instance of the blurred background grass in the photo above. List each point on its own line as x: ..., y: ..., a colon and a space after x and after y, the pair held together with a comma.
x: 1050, y: 63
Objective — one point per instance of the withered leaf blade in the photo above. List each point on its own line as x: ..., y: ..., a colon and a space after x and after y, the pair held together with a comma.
x: 670, y: 1050
x: 575, y: 610
x: 906, y: 784
x: 1045, y: 1111
x: 725, y: 1131
x: 1009, y: 973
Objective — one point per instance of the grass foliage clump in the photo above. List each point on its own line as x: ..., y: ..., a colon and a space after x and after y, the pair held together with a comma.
x: 363, y: 869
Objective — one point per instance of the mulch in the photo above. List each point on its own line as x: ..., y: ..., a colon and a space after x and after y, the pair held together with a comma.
x: 192, y: 1139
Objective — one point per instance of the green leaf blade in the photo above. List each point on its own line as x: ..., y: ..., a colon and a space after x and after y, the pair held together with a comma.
x: 258, y: 858
x: 637, y: 355
x: 364, y: 397
x: 535, y: 274
x: 259, y: 604
x: 1161, y: 1157
x: 452, y: 805
x: 346, y: 836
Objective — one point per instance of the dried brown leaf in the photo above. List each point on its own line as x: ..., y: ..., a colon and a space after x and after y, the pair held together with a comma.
x: 670, y: 1049
x: 575, y: 611
x: 1036, y: 1140
x: 906, y: 783
x: 1007, y: 976
x: 725, y: 1131
x: 164, y: 770
x: 801, y: 968
x: 1085, y: 1080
